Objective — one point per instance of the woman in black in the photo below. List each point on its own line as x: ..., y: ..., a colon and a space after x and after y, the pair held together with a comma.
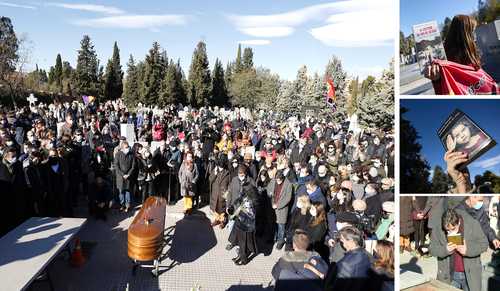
x: 299, y: 219
x: 243, y: 233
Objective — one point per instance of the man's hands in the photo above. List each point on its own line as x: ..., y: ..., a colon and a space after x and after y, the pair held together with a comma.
x: 432, y: 72
x: 496, y: 243
x: 460, y: 177
x: 451, y: 247
x: 461, y: 249
x: 125, y: 177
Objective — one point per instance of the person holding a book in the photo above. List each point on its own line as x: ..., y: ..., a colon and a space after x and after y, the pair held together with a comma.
x: 458, y: 246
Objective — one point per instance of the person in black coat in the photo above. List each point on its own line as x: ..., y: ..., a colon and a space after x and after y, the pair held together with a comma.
x: 299, y: 220
x: 125, y: 165
x: 146, y: 174
x: 55, y: 174
x: 13, y: 184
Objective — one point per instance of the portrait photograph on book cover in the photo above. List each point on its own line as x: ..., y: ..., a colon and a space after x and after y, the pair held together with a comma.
x: 449, y: 146
x: 460, y: 134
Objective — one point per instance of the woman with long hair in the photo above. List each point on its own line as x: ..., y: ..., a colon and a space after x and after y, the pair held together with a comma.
x: 188, y: 176
x: 462, y: 73
x: 383, y: 266
x: 317, y: 229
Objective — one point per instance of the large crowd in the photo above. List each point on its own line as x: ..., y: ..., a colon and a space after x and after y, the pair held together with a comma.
x: 323, y: 190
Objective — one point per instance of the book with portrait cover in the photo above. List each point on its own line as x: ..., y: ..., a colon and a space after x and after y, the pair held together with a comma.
x: 428, y: 44
x: 459, y: 133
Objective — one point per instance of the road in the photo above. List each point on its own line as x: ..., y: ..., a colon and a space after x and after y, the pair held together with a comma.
x: 412, y: 82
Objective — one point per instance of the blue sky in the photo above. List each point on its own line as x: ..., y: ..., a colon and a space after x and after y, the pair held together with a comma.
x: 419, y: 11
x: 283, y: 34
x: 428, y: 115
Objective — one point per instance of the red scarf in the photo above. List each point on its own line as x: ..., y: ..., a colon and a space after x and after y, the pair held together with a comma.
x: 457, y: 79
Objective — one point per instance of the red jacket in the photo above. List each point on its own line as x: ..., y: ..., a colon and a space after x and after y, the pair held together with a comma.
x: 457, y: 79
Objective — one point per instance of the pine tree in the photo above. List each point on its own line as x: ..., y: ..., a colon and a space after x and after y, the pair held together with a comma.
x: 248, y: 59
x: 334, y: 70
x: 199, y: 77
x: 414, y: 169
x: 377, y: 110
x: 238, y: 64
x: 113, y: 80
x: 440, y: 181
x: 131, y: 92
x: 152, y: 78
x: 58, y: 73
x: 87, y: 69
x: 219, y: 90
x: 181, y: 83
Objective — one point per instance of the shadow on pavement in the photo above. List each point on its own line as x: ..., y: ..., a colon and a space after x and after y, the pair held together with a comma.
x: 411, y: 266
x: 193, y: 238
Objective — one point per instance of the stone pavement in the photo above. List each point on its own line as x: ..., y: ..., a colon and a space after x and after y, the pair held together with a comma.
x: 428, y: 268
x: 197, y: 259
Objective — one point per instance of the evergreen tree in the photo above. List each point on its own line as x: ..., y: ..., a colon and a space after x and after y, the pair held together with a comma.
x: 228, y: 77
x: 67, y: 70
x: 414, y: 169
x: 9, y: 46
x: 245, y: 89
x: 377, y: 110
x: 152, y: 77
x: 87, y: 69
x: 131, y: 93
x: 172, y: 87
x: 368, y: 86
x: 335, y: 70
x: 353, y: 100
x: 440, y: 181
x: 238, y: 64
x: 199, y: 77
x: 181, y: 83
x: 113, y: 80
x: 219, y: 90
x: 58, y: 73
x: 247, y: 59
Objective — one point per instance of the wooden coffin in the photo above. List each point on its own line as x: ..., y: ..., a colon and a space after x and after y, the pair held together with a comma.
x: 145, y: 234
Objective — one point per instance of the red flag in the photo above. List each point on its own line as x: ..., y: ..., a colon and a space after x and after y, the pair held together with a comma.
x: 331, y: 90
x: 457, y: 79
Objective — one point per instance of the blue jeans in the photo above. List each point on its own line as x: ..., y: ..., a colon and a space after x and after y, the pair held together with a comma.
x: 280, y: 232
x: 459, y: 281
x: 124, y: 198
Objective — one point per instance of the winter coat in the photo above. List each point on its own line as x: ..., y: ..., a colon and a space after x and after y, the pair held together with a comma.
x: 405, y: 209
x: 219, y: 183
x: 476, y: 244
x: 188, y: 179
x: 236, y: 188
x: 351, y: 272
x: 124, y: 165
x: 283, y: 202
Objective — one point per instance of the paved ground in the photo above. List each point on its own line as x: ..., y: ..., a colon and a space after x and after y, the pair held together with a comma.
x: 413, y: 83
x: 428, y: 268
x: 197, y: 259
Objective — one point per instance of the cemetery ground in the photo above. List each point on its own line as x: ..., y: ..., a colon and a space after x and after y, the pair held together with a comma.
x: 196, y: 258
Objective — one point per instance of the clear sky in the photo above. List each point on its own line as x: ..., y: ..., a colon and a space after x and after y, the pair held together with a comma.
x: 427, y: 116
x: 419, y: 11
x: 283, y: 34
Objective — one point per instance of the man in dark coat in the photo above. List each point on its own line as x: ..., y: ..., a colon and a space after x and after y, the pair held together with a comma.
x: 219, y: 184
x: 124, y: 166
x: 280, y: 192
x: 13, y: 184
x: 55, y: 174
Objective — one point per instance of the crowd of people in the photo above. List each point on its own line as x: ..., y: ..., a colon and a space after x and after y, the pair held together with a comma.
x: 322, y: 190
x: 427, y: 223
